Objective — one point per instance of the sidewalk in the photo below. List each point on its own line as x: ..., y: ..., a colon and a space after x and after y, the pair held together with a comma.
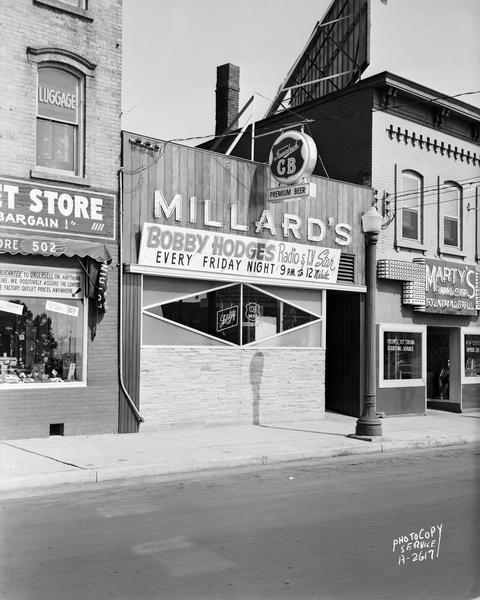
x: 52, y: 461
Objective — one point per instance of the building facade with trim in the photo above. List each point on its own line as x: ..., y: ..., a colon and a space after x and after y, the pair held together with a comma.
x: 420, y: 151
x: 59, y: 161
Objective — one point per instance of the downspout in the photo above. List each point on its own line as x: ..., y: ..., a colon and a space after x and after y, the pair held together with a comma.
x: 131, y: 403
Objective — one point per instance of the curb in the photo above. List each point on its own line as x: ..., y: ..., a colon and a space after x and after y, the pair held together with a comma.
x: 98, y: 475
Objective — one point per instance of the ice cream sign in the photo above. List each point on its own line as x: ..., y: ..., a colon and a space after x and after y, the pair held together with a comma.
x: 30, y: 207
x: 435, y: 286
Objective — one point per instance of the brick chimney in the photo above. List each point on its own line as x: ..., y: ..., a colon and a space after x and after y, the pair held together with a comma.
x: 226, y: 96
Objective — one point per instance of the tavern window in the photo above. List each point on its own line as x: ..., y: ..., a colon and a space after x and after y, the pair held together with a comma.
x: 232, y: 315
x: 59, y: 121
x: 411, y: 204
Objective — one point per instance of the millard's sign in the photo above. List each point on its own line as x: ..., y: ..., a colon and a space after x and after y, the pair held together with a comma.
x: 293, y: 157
x: 28, y: 206
x: 202, y: 254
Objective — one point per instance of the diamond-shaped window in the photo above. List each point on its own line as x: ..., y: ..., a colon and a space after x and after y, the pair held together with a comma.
x: 237, y: 314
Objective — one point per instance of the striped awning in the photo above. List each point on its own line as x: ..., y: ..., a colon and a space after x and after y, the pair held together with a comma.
x: 44, y: 246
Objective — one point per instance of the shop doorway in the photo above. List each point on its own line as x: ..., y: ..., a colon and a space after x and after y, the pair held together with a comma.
x: 441, y: 362
x: 343, y: 363
x: 438, y: 363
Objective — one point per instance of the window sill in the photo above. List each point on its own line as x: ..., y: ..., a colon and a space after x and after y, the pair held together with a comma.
x: 60, y: 177
x: 447, y: 251
x: 401, y: 383
x: 471, y: 380
x: 63, y: 7
x: 410, y: 245
x: 42, y: 386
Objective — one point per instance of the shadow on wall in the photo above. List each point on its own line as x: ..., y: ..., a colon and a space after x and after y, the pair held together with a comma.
x: 256, y: 372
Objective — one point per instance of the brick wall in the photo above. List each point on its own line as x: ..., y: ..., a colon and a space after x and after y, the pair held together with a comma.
x: 26, y: 24
x: 341, y: 128
x: 207, y: 386
x: 430, y: 164
x: 97, y: 39
x: 27, y: 413
x: 226, y: 96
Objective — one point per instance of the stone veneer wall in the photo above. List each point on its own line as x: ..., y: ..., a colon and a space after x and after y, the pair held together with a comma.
x: 207, y: 386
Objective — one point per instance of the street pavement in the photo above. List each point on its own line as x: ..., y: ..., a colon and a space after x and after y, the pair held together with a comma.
x: 332, y: 529
x: 54, y: 461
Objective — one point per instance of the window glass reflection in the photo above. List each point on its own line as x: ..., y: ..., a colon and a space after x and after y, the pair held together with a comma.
x: 472, y: 355
x: 237, y: 314
x: 402, y: 355
x: 38, y: 345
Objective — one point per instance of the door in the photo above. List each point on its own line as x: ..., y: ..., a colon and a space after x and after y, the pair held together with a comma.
x: 438, y: 363
x: 344, y: 358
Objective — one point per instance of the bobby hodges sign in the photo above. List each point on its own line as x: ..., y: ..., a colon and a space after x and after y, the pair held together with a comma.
x: 436, y: 286
x: 199, y: 253
x: 40, y: 208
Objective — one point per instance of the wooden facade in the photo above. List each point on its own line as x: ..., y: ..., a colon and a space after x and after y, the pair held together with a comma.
x: 226, y: 180
x: 154, y: 168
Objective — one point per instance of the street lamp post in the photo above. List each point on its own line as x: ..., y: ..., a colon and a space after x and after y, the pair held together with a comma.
x: 369, y: 425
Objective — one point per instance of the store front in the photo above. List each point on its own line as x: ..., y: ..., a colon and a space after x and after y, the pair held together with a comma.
x: 225, y: 285
x: 429, y: 341
x: 56, y: 250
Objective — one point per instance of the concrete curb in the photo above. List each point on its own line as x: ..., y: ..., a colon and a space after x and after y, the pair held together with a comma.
x: 97, y: 475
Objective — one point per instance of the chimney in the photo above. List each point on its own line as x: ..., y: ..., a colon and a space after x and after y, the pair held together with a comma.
x: 226, y: 96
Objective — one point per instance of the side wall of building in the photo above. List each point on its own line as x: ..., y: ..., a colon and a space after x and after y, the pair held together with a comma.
x: 93, y: 38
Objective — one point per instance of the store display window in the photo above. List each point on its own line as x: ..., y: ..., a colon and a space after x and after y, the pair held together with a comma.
x: 471, y: 356
x: 402, y: 356
x: 41, y: 334
x: 237, y: 314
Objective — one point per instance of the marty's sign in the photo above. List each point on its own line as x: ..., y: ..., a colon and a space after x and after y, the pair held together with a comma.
x: 205, y: 254
x: 28, y: 206
x: 435, y: 286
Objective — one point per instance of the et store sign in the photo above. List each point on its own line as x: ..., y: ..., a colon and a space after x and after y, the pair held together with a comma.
x: 28, y: 206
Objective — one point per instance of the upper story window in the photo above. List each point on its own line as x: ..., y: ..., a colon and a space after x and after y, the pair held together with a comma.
x: 76, y: 8
x: 411, y: 206
x: 451, y: 207
x: 59, y: 120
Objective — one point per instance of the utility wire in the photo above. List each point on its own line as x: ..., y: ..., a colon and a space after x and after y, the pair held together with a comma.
x: 300, y: 116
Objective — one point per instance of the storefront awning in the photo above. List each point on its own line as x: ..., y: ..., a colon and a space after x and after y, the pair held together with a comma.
x: 18, y: 244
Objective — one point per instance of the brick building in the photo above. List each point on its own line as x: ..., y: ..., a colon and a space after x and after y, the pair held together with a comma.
x: 59, y: 162
x: 420, y: 151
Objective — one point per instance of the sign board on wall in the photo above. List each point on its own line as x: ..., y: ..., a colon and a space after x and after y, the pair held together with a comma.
x: 436, y: 286
x: 292, y: 157
x: 39, y: 208
x: 42, y: 282
x: 199, y: 253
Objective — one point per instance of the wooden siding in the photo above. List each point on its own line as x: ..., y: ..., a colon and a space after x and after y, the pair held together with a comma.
x: 225, y: 180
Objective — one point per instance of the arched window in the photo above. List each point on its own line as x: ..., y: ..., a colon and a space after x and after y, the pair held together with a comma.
x: 451, y: 210
x: 59, y: 120
x: 411, y: 205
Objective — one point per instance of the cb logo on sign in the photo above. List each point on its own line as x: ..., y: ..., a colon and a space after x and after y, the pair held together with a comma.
x: 293, y: 157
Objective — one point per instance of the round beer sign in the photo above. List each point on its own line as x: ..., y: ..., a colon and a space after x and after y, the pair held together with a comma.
x: 293, y: 157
